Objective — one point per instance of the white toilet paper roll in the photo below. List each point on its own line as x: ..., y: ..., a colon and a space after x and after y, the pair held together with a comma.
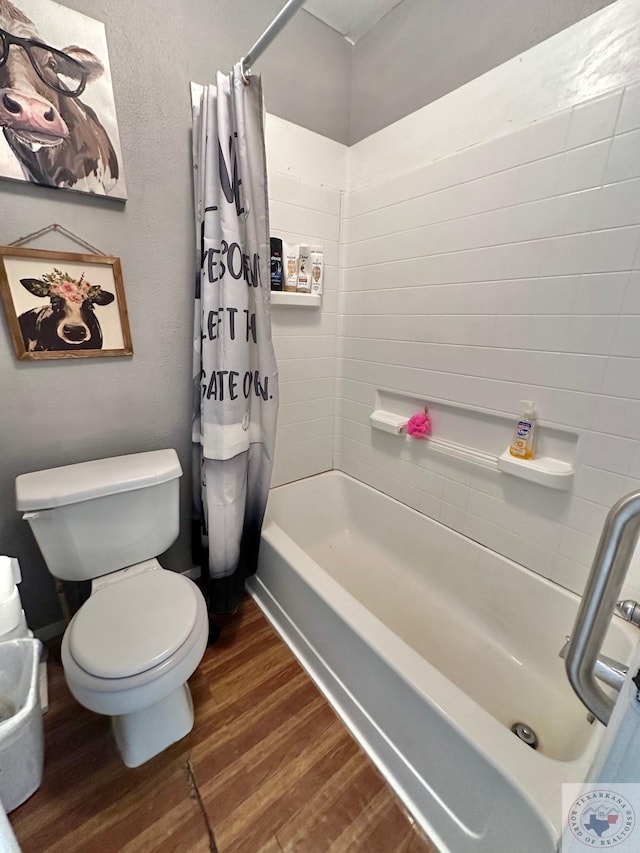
x: 7, y: 583
x: 10, y: 612
x: 9, y: 575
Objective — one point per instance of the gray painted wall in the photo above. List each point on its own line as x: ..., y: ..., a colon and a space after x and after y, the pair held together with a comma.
x: 422, y: 50
x: 55, y: 413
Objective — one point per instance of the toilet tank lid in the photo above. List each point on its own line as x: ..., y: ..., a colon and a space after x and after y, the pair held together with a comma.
x: 84, y: 481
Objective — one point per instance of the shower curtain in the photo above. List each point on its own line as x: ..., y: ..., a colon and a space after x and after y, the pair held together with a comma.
x: 235, y: 374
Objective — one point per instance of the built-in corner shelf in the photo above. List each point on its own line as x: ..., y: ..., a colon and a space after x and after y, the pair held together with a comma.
x: 309, y: 300
x: 455, y: 425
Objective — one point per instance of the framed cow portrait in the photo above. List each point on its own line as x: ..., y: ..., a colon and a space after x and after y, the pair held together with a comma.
x: 64, y: 305
x: 57, y: 109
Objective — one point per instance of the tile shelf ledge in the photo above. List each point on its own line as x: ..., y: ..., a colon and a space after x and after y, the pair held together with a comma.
x: 543, y: 470
x: 283, y: 297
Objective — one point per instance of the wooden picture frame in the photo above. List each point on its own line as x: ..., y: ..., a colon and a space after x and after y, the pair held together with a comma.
x: 63, y: 304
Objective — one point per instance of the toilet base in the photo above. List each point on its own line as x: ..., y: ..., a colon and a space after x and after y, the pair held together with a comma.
x: 146, y: 733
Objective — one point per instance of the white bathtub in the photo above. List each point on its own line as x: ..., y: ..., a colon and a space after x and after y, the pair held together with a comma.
x: 430, y: 647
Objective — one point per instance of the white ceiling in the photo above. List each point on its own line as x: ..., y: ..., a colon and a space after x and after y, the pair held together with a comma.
x: 351, y: 18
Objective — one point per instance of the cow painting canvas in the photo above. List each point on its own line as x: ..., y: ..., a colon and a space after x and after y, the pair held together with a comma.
x: 57, y: 109
x: 62, y: 305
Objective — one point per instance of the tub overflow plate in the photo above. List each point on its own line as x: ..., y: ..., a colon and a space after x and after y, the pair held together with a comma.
x: 526, y: 734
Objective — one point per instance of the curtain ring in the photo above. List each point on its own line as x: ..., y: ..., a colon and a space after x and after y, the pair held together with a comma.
x: 246, y: 72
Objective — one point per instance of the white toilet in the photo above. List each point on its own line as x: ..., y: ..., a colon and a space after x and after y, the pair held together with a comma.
x: 131, y: 647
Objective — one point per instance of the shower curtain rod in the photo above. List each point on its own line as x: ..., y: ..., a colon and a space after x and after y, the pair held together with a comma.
x: 275, y: 27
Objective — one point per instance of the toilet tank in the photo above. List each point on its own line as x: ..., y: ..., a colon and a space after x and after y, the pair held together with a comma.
x: 97, y: 517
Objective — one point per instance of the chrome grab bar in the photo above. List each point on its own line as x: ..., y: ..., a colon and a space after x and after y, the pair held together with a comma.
x: 609, y: 671
x: 613, y: 555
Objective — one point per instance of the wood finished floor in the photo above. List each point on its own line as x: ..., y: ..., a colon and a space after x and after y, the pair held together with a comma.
x: 268, y: 768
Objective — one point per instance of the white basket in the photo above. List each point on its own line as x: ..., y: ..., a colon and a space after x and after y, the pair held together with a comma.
x: 21, y: 733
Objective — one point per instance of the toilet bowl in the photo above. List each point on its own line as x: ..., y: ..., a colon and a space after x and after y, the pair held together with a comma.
x: 130, y: 649
x: 138, y: 676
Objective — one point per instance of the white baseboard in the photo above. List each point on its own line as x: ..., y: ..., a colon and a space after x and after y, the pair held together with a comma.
x: 193, y: 573
x: 48, y: 632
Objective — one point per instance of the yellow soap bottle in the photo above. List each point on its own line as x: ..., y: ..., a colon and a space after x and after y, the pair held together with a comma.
x: 524, y: 436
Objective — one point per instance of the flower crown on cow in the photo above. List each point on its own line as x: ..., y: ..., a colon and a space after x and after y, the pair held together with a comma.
x: 58, y: 283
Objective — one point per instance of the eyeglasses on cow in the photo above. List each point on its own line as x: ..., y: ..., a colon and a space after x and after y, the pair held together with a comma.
x: 56, y: 69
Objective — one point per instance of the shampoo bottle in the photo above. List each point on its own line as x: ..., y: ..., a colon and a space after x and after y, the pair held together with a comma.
x: 276, y: 263
x: 523, y: 443
x: 304, y: 270
x: 290, y: 274
x: 315, y: 259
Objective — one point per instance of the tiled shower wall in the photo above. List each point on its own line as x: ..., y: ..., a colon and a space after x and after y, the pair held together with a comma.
x: 306, y: 178
x: 507, y: 271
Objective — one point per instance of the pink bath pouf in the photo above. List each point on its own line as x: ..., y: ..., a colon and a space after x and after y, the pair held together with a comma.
x: 419, y: 426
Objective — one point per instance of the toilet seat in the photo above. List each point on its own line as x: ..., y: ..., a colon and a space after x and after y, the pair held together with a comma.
x: 124, y: 695
x: 131, y: 626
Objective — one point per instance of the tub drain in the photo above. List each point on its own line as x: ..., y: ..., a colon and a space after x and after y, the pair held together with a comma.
x: 526, y: 734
